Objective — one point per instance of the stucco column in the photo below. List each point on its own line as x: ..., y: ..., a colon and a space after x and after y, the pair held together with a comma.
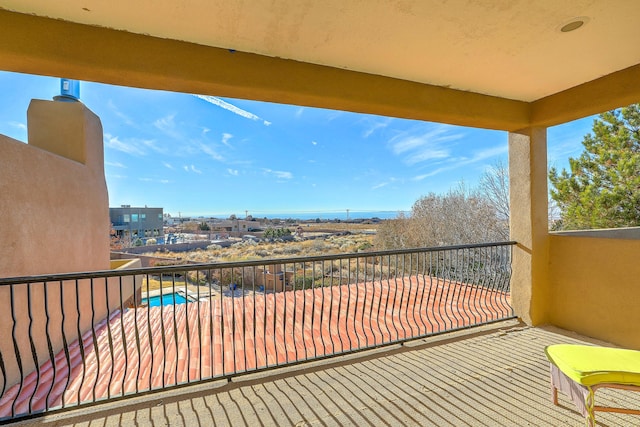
x: 529, y: 223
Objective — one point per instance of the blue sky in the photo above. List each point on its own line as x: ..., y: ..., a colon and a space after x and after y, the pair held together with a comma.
x: 202, y: 155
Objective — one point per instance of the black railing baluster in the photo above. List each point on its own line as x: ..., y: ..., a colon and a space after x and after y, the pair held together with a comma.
x: 348, y: 287
x: 34, y: 353
x: 355, y: 305
x: 16, y: 348
x: 373, y: 297
x: 52, y: 356
x: 80, y: 342
x: 255, y: 317
x: 304, y: 307
x: 109, y: 337
x: 223, y: 332
x: 136, y: 303
x: 212, y: 335
x: 324, y: 289
x: 124, y: 337
x: 314, y: 308
x: 65, y: 344
x: 244, y: 319
x: 93, y: 335
x: 422, y: 274
x: 232, y: 290
x: 176, y: 338
x: 186, y: 324
x: 3, y: 369
x: 264, y: 320
x: 384, y: 284
x: 461, y: 285
x: 151, y: 347
x: 162, y: 330
x: 199, y: 326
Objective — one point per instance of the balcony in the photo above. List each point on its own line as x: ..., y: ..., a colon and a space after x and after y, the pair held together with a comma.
x: 586, y: 284
x: 80, y: 339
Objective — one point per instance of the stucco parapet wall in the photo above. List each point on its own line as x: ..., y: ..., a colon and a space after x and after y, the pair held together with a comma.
x: 54, y: 193
x: 628, y: 233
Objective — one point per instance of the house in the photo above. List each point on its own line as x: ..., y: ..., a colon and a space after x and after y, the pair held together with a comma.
x: 137, y: 222
x: 518, y: 66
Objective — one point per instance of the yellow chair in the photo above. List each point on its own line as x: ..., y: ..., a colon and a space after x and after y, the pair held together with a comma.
x: 580, y: 370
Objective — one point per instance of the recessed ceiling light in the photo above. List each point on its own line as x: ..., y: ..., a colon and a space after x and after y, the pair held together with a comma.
x: 574, y: 24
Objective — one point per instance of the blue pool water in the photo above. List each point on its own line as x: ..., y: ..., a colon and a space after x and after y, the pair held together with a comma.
x: 167, y: 299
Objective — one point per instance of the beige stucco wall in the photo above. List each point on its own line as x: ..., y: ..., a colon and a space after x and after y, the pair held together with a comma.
x: 595, y: 285
x: 54, y: 195
x: 529, y: 224
x: 55, y: 219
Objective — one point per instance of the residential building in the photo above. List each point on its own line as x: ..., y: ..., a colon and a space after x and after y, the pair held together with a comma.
x: 137, y: 222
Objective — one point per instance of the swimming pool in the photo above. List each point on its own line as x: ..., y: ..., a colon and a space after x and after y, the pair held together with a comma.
x: 166, y: 299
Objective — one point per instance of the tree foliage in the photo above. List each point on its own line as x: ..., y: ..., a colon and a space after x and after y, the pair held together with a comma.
x: 602, y: 187
x: 460, y: 216
x: 276, y: 233
x: 494, y: 186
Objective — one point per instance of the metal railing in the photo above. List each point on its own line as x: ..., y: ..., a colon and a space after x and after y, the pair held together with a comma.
x: 77, y: 339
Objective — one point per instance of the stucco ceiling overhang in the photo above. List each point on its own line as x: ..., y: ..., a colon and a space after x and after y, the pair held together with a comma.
x: 501, y: 64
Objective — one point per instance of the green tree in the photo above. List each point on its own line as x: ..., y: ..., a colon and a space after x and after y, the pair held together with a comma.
x: 602, y: 187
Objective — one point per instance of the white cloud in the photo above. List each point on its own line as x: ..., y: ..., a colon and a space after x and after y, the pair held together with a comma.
x: 225, y: 139
x: 211, y: 152
x: 425, y: 154
x: 374, y: 127
x: 191, y: 168
x: 375, y: 187
x: 279, y: 174
x: 232, y: 108
x: 18, y: 125
x: 168, y: 166
x: 165, y: 123
x: 150, y: 143
x: 431, y: 145
x: 456, y: 163
x: 314, y: 143
x: 167, y: 126
x: 233, y: 172
x: 115, y: 164
x: 161, y: 181
x: 299, y: 112
x: 126, y: 119
x: 129, y: 147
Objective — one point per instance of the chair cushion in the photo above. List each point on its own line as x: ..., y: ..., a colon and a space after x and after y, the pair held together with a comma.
x: 590, y: 365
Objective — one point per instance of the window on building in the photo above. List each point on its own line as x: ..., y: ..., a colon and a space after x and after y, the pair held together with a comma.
x: 143, y: 217
x: 160, y: 216
x: 126, y: 218
x: 134, y: 217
